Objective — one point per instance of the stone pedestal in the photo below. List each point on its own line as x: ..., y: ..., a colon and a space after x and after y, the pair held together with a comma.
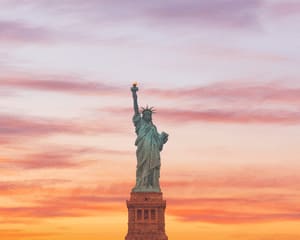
x: 146, y: 216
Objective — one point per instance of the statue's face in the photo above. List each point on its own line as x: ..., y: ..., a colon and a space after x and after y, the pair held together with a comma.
x: 147, y: 116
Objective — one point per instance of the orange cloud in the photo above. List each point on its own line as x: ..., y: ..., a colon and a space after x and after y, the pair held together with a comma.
x: 26, y: 188
x: 62, y: 201
x: 57, y: 202
x: 235, y: 197
x: 231, y: 217
x: 18, y: 234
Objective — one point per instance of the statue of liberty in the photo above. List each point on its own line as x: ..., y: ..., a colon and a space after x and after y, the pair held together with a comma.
x: 149, y: 144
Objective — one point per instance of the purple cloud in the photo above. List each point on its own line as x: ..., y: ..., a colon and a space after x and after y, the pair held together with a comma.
x: 215, y: 13
x: 18, y: 32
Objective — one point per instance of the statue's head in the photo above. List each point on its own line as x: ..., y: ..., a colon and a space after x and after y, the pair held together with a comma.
x: 147, y: 113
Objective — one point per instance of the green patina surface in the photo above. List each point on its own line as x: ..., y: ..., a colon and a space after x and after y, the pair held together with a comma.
x: 149, y: 144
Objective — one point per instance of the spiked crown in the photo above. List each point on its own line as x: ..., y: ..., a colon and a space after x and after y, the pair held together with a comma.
x: 147, y: 109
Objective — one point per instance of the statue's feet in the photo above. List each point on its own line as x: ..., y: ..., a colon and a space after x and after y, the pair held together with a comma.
x: 146, y: 189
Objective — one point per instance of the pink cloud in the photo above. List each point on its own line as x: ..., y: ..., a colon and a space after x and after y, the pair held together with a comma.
x: 47, y: 161
x: 235, y: 53
x: 235, y: 116
x: 220, y: 13
x: 5, y: 141
x: 15, y: 126
x: 17, y: 32
x: 238, y: 91
x: 227, y: 92
x: 242, y: 103
x: 59, y: 158
x: 5, y: 93
x: 216, y: 115
x: 49, y: 83
x: 285, y: 8
x: 243, y: 178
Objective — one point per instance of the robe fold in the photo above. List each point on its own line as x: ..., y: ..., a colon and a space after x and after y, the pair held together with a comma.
x: 149, y: 144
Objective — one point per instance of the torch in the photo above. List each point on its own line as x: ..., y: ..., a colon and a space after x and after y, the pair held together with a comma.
x: 134, y: 87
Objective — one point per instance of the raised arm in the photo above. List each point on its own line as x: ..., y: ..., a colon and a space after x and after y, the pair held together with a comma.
x: 134, y: 90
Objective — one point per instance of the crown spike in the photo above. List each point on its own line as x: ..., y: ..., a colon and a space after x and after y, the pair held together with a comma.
x: 149, y: 109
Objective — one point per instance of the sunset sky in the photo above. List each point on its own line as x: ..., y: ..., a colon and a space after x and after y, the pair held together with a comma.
x: 224, y: 78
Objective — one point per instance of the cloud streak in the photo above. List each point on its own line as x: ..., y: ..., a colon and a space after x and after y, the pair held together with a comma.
x: 236, y: 91
x: 12, y: 126
x: 17, y: 234
x: 232, y: 217
x: 48, y: 161
x: 242, y: 103
x: 60, y: 201
x: 242, y: 179
x: 17, y: 32
x: 56, y: 202
x: 53, y: 85
x: 15, y: 188
x: 82, y: 201
x: 229, y: 91
x: 285, y: 8
x: 216, y: 115
x: 236, y: 116
x: 59, y: 158
x: 218, y: 13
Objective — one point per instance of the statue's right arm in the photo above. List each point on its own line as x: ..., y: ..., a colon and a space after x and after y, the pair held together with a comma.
x: 135, y: 102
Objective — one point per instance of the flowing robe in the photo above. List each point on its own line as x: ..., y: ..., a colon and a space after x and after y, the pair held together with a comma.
x: 149, y: 144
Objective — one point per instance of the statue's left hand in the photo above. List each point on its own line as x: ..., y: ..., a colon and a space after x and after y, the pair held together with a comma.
x: 164, y: 136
